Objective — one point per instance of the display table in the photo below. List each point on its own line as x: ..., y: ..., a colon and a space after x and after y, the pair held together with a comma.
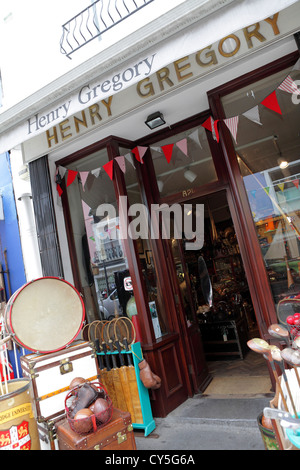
x: 225, y: 337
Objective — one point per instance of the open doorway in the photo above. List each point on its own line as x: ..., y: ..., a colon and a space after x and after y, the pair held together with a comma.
x: 215, y: 296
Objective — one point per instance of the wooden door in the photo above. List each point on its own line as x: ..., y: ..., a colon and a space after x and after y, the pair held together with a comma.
x: 189, y: 330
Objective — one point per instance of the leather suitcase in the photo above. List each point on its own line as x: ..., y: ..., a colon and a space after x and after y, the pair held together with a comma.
x: 50, y: 376
x: 116, y: 435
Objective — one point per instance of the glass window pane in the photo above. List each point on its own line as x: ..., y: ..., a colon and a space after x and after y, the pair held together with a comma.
x: 101, y: 257
x: 156, y: 299
x: 268, y: 153
x: 186, y: 170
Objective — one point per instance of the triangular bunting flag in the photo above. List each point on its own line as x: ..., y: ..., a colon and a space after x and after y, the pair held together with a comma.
x: 59, y: 190
x: 289, y: 86
x: 62, y: 171
x: 253, y: 115
x: 297, y: 65
x: 128, y: 157
x: 281, y: 186
x: 108, y: 168
x: 182, y: 145
x: 267, y: 190
x: 195, y: 137
x: 156, y: 149
x: 215, y: 131
x: 232, y: 124
x: 83, y: 177
x: 139, y: 153
x: 296, y: 183
x: 71, y: 176
x: 121, y: 162
x: 271, y: 102
x: 96, y: 172
x: 208, y: 124
x: 168, y: 149
x: 253, y: 192
x: 142, y: 151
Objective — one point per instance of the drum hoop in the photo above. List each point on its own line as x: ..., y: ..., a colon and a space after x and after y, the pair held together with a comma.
x: 13, y: 333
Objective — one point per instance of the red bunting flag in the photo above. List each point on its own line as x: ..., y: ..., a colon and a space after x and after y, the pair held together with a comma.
x: 71, y: 176
x: 271, y: 102
x: 296, y: 183
x: 208, y: 124
x: 108, y: 168
x: 168, y: 149
x: 215, y: 130
x: 59, y: 190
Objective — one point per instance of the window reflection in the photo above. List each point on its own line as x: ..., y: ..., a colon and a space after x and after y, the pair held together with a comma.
x: 272, y: 187
x: 190, y: 166
x: 149, y: 270
x: 101, y: 258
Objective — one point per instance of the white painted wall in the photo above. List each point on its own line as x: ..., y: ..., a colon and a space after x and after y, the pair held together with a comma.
x: 31, y: 31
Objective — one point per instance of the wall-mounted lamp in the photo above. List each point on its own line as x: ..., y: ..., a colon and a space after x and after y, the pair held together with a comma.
x: 189, y: 175
x: 155, y: 120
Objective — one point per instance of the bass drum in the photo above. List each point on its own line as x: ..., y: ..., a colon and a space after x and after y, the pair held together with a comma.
x: 45, y: 315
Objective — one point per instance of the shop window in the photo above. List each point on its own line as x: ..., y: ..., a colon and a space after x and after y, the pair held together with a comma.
x: 191, y: 164
x: 156, y: 300
x: 268, y: 151
x: 101, y: 258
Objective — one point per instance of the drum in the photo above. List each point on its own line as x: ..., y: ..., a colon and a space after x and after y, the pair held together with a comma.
x: 45, y: 315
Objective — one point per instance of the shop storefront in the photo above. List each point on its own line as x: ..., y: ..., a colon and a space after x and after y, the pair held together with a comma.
x: 225, y: 159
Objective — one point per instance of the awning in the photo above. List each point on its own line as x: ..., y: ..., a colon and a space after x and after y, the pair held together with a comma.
x: 229, y: 17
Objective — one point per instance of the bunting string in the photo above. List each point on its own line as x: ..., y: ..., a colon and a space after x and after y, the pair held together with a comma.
x: 270, y: 102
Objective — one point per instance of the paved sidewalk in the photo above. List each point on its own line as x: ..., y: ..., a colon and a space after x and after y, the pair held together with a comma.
x: 203, y: 423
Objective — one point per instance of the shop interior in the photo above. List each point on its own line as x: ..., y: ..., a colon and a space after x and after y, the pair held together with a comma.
x: 216, y: 294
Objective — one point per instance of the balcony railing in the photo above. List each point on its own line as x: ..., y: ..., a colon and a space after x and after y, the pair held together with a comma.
x: 94, y: 20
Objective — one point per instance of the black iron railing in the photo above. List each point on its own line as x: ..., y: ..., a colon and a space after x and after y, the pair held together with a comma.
x: 94, y: 20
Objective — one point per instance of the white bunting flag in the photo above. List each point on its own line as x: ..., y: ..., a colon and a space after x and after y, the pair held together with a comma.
x: 253, y: 115
x: 83, y: 177
x: 121, y: 162
x: 289, y: 86
x: 232, y: 124
x: 128, y: 157
x: 195, y: 137
x: 297, y: 65
x: 182, y: 145
x: 96, y: 172
x: 62, y: 171
x: 156, y: 149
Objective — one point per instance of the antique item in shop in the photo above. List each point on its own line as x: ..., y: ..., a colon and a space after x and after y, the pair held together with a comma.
x: 84, y: 397
x: 88, y: 407
x: 80, y: 423
x: 115, y: 435
x: 45, y: 315
x: 51, y: 375
x: 149, y: 379
x: 18, y: 427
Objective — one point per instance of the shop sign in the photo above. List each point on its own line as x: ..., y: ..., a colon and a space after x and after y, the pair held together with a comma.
x: 143, y: 85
